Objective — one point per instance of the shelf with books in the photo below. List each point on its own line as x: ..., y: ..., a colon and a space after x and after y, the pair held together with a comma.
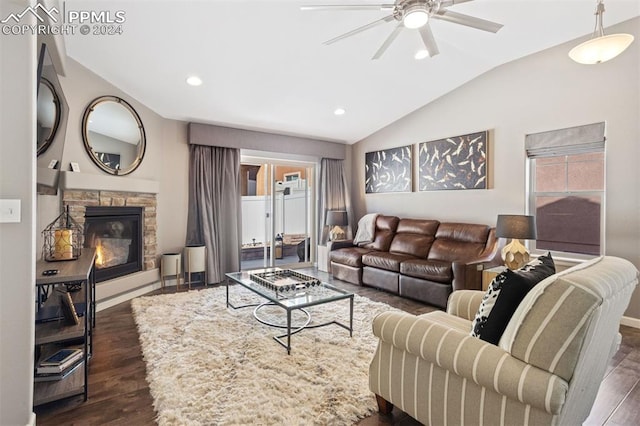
x: 43, y: 376
x: 60, y: 361
x: 63, y: 330
x: 73, y: 383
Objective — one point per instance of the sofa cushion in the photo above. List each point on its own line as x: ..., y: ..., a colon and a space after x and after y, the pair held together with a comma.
x: 463, y: 232
x: 459, y: 241
x: 385, y: 230
x: 504, y: 294
x: 385, y: 260
x: 414, y: 237
x: 350, y: 256
x: 432, y: 270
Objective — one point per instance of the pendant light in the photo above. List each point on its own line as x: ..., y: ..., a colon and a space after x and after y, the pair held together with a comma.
x: 600, y: 48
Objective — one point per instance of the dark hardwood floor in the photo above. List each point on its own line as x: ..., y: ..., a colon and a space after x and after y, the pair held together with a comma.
x: 119, y: 394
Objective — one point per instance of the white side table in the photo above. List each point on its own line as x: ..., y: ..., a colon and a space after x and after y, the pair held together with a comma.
x: 195, y: 260
x: 171, y: 266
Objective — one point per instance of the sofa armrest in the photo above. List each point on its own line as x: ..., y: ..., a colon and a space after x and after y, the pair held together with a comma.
x: 464, y: 303
x: 335, y: 245
x: 467, y: 274
x: 458, y: 353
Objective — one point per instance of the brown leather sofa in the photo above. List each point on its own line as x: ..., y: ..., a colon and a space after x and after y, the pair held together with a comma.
x: 418, y: 258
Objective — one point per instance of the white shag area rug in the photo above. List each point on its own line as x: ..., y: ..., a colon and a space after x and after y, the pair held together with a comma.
x: 209, y: 365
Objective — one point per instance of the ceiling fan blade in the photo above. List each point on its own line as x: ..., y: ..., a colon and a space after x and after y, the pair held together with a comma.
x: 348, y: 7
x: 360, y: 29
x: 429, y: 41
x: 388, y: 41
x: 469, y: 21
x: 448, y: 3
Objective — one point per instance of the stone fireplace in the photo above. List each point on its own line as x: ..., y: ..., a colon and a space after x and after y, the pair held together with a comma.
x: 97, y: 211
x: 117, y: 235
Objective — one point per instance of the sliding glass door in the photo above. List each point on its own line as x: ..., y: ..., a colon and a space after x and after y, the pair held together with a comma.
x: 278, y: 212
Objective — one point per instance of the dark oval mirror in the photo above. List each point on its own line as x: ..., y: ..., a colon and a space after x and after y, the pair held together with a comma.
x: 48, y: 116
x: 113, y: 135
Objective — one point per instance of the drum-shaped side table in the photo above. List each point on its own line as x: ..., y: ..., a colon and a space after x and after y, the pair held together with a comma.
x: 195, y: 260
x: 171, y: 266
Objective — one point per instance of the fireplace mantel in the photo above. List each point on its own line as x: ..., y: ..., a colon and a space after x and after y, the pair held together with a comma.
x: 91, y: 182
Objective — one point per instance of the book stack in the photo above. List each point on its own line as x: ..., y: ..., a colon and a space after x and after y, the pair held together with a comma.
x: 59, y: 365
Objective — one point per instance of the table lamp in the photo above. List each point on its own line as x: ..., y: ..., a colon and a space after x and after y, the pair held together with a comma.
x: 337, y: 219
x: 516, y: 227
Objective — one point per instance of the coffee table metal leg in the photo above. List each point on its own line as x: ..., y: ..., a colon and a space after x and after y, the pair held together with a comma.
x: 351, y: 316
x: 288, y: 331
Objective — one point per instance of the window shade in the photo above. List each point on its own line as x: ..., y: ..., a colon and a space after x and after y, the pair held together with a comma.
x: 570, y: 141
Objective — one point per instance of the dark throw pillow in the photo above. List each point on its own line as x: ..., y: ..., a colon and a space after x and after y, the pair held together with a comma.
x: 504, y: 294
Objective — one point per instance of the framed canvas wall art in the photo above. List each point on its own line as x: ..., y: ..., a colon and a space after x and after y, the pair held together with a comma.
x: 458, y: 162
x: 388, y: 170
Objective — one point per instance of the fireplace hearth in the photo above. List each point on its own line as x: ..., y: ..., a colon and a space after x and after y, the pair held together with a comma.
x: 117, y: 235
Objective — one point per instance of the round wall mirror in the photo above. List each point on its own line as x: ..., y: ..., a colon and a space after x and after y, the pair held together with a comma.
x: 48, y: 115
x: 113, y: 135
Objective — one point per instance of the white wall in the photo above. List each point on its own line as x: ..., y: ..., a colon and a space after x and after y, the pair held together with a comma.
x: 17, y: 240
x: 173, y: 198
x: 544, y: 91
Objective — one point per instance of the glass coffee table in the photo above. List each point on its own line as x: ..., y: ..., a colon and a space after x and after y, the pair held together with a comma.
x: 291, y: 291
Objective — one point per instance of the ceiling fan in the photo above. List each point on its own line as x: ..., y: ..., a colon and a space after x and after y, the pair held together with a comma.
x: 412, y: 14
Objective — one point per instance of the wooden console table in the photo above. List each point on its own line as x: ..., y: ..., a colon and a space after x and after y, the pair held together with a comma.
x: 79, y: 277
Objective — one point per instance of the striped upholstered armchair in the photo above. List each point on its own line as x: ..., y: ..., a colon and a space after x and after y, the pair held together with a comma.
x: 546, y: 369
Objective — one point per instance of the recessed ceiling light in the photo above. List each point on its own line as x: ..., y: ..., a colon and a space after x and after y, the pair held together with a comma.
x: 339, y: 111
x: 421, y: 54
x: 194, y: 80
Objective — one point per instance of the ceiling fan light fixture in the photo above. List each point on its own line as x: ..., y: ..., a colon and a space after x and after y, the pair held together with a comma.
x: 600, y: 48
x: 415, y: 16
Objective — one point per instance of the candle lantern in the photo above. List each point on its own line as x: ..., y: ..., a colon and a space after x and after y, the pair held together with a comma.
x: 62, y: 239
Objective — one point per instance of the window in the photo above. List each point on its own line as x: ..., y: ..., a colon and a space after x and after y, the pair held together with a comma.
x: 290, y: 177
x: 567, y: 189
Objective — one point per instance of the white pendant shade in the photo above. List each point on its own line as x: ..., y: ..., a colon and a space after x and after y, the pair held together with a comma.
x: 600, y: 49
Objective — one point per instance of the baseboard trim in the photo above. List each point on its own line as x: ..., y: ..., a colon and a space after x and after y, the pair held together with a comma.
x: 630, y: 322
x: 123, y: 297
x: 32, y: 419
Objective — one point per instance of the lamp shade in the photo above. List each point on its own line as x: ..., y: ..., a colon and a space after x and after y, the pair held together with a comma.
x: 600, y: 49
x: 337, y: 218
x: 516, y: 226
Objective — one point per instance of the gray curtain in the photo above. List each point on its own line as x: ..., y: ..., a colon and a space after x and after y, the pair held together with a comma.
x: 214, y: 217
x: 334, y: 195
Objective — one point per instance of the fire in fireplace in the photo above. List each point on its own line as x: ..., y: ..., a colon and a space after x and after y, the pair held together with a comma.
x: 116, y: 234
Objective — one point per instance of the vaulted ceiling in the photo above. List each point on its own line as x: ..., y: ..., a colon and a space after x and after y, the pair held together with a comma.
x: 264, y: 65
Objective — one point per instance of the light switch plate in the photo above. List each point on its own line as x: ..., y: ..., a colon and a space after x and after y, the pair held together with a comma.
x: 9, y: 211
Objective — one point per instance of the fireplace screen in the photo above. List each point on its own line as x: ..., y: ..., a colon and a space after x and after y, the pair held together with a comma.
x: 116, y: 234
